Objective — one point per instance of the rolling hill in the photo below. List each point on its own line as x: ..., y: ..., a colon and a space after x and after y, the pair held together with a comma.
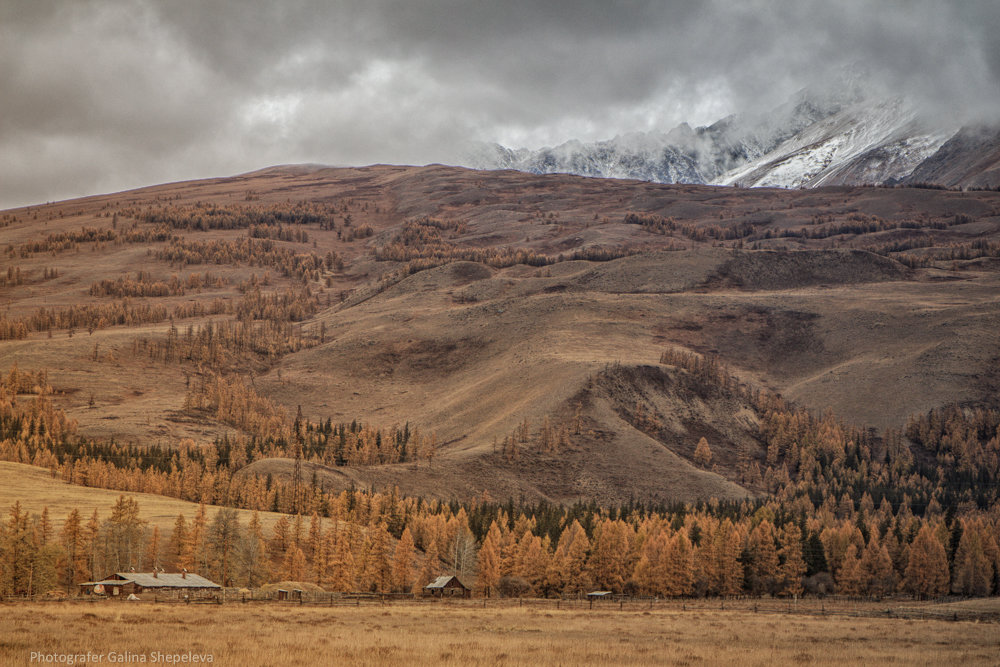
x: 484, y: 307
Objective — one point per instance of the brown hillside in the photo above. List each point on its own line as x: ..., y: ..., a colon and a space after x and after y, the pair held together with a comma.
x: 607, y: 455
x: 877, y: 303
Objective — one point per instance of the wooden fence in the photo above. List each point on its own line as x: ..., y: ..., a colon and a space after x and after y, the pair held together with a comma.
x: 947, y: 609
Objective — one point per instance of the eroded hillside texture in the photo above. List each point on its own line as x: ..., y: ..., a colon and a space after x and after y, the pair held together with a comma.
x: 456, y: 333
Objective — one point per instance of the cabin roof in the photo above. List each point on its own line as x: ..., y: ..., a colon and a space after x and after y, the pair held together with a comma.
x: 169, y: 580
x: 160, y: 580
x: 443, y: 581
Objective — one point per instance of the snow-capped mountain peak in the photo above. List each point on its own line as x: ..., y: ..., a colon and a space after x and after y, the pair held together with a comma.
x: 839, y: 136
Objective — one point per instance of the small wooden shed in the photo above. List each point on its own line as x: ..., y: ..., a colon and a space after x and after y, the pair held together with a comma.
x: 447, y: 586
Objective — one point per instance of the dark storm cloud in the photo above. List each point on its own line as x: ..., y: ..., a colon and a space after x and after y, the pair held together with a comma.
x: 103, y: 94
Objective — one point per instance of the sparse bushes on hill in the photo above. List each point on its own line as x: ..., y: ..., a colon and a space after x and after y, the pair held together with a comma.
x: 255, y: 252
x: 421, y: 244
x: 696, y: 232
x: 143, y: 285
x: 225, y: 346
x: 267, y: 220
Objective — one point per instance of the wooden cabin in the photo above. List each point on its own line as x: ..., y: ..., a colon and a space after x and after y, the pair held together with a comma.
x: 447, y: 586
x: 159, y: 584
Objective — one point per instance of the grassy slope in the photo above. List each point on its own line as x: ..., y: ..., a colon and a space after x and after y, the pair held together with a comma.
x: 36, y: 489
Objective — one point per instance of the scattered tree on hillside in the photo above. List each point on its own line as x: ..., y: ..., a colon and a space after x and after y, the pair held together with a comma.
x: 703, y: 454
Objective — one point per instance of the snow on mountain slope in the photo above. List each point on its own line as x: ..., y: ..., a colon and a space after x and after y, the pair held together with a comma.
x: 845, y: 137
x: 683, y: 155
x: 648, y: 157
x: 887, y: 162
x: 868, y: 142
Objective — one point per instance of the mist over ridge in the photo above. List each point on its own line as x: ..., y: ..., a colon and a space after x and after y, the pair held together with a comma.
x: 109, y: 95
x: 843, y: 134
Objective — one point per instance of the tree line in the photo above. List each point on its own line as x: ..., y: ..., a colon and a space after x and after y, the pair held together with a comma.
x: 846, y: 510
x: 203, y: 216
x: 60, y: 242
x: 255, y: 252
x: 381, y: 543
x: 422, y: 245
x: 290, y: 305
x: 857, y: 224
x: 144, y: 285
x: 227, y: 346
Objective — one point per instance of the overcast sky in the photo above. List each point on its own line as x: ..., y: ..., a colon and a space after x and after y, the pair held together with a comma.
x: 104, y: 95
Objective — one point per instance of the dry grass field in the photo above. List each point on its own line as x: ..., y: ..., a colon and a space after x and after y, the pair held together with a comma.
x: 466, y: 635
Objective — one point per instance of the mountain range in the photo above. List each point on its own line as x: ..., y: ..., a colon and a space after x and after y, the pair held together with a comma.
x: 848, y: 138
